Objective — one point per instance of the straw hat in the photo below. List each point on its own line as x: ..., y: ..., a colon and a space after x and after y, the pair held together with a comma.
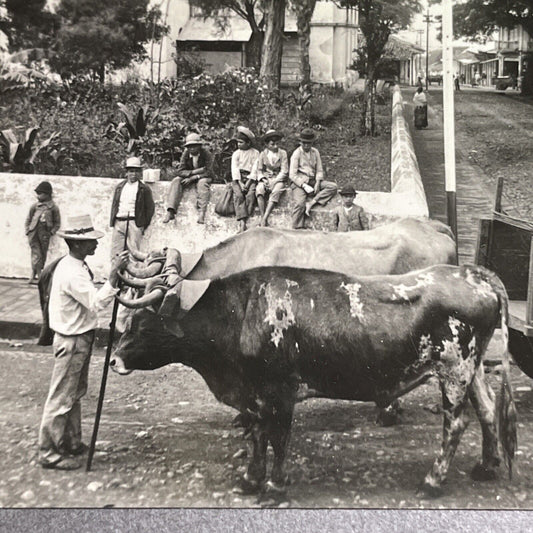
x: 307, y: 134
x: 79, y: 228
x: 193, y: 139
x: 245, y: 134
x: 134, y: 162
x: 272, y: 134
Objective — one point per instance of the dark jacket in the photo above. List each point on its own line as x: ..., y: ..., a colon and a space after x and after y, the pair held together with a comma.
x: 51, y: 216
x: 205, y: 159
x: 144, y: 205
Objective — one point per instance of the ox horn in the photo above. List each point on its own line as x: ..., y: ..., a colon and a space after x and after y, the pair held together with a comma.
x: 143, y: 272
x: 151, y: 298
x: 133, y: 282
x: 137, y: 254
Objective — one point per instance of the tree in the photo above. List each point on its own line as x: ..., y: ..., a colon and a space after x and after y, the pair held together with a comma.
x: 273, y: 43
x: 378, y: 19
x: 26, y: 23
x: 304, y: 10
x: 249, y: 10
x: 475, y: 19
x: 98, y: 34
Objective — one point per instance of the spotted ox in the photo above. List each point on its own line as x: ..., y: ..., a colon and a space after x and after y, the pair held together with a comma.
x: 255, y: 336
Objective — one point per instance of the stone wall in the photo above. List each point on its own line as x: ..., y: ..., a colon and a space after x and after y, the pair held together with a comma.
x: 75, y: 194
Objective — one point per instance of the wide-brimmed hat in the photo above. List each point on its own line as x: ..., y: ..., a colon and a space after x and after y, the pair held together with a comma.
x: 134, y: 162
x: 44, y: 186
x: 272, y: 134
x: 348, y: 190
x: 307, y: 134
x: 193, y: 139
x: 79, y: 228
x: 245, y: 134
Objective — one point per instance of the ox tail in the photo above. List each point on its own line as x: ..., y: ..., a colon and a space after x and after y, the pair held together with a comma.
x: 507, y: 415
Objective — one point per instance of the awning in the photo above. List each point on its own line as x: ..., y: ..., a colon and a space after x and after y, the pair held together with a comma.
x: 198, y: 29
x: 468, y: 61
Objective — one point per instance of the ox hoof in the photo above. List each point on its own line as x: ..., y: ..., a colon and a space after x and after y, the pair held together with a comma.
x: 387, y: 419
x: 273, y: 495
x: 429, y: 491
x: 483, y: 473
x: 247, y: 487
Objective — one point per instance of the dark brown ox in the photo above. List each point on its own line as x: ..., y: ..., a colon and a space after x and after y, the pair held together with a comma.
x: 395, y: 248
x: 256, y: 336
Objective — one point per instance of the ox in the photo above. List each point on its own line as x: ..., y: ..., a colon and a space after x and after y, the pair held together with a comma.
x: 256, y: 336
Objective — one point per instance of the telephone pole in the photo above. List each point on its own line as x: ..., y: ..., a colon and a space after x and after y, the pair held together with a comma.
x: 427, y: 20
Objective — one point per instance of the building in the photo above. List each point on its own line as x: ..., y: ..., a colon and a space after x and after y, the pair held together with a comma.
x: 333, y: 40
x: 408, y: 59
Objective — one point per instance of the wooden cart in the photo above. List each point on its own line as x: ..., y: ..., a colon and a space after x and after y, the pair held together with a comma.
x: 505, y: 246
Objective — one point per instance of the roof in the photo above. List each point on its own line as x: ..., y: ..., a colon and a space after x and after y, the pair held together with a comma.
x: 401, y: 49
x: 199, y: 29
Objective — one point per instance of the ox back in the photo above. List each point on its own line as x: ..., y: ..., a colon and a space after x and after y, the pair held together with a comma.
x: 255, y: 336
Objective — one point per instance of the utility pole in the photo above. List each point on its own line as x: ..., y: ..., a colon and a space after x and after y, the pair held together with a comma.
x: 427, y: 20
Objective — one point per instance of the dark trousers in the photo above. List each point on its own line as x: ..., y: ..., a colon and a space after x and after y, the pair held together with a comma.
x: 39, y: 239
x: 244, y: 202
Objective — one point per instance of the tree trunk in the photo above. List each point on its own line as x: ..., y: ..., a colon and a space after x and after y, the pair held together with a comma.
x: 254, y: 49
x: 303, y: 16
x: 368, y: 123
x: 273, y: 44
x: 101, y: 73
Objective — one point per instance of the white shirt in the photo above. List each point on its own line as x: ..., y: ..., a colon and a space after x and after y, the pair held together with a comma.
x: 127, y: 199
x: 243, y: 160
x: 74, y: 300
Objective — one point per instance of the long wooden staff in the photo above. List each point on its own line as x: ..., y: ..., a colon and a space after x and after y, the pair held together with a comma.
x: 106, y: 366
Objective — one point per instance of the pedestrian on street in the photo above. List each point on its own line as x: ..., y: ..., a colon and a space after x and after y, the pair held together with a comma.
x: 74, y: 302
x: 243, y: 165
x: 307, y: 176
x: 42, y: 222
x: 196, y: 166
x: 132, y: 201
x: 456, y: 82
x: 421, y: 109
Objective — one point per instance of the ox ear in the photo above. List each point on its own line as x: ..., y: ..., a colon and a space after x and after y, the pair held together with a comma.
x: 173, y: 327
x: 188, y: 262
x: 191, y: 292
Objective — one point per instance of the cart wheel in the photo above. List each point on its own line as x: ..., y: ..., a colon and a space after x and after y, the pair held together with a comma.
x: 521, y: 348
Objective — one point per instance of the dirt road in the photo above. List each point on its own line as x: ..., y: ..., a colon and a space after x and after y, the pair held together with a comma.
x: 165, y: 441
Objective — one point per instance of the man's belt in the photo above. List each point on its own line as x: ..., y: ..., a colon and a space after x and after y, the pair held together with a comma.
x: 125, y: 218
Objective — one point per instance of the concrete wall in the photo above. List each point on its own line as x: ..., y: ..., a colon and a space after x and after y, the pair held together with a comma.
x: 93, y: 195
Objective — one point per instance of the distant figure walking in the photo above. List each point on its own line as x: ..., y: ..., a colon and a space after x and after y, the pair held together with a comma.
x: 456, y: 82
x: 421, y: 109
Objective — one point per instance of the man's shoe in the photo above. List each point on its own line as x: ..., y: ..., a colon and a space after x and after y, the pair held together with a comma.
x: 168, y: 217
x: 79, y: 450
x: 65, y: 463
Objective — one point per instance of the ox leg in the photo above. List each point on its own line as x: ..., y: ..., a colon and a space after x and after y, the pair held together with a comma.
x: 390, y: 415
x: 483, y: 400
x: 252, y: 481
x: 454, y: 397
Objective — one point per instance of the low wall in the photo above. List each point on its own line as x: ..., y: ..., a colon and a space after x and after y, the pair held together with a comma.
x: 75, y: 194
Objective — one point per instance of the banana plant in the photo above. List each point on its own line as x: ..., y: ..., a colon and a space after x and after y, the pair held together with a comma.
x: 133, y: 128
x: 18, y: 154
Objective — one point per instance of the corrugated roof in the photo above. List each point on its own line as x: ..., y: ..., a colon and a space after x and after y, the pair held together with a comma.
x: 198, y: 29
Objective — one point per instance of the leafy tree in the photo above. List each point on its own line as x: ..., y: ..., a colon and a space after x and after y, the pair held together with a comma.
x: 273, y: 43
x: 249, y: 10
x: 304, y: 13
x: 27, y: 23
x: 378, y: 19
x: 99, y: 34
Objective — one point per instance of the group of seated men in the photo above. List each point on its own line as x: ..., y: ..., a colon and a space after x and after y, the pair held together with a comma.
x: 258, y: 177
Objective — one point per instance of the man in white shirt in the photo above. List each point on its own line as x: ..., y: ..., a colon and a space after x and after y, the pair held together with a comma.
x: 73, y: 306
x: 132, y: 201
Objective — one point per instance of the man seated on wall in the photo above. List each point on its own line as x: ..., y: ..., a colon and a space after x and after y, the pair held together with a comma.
x: 196, y: 166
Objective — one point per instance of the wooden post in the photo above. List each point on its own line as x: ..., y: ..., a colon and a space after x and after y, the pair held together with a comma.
x: 529, y: 302
x: 449, y: 118
x: 498, y: 198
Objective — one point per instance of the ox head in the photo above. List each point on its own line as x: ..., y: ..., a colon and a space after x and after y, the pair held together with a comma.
x: 153, y: 336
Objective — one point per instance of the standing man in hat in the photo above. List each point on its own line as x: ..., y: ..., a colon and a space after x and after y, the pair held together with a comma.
x: 243, y: 174
x: 132, y: 201
x: 307, y: 176
x: 272, y: 173
x: 74, y: 302
x: 348, y: 216
x: 42, y: 222
x: 196, y: 166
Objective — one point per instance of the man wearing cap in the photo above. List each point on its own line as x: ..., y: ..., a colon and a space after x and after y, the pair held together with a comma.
x: 196, y: 166
x: 132, y: 201
x: 307, y: 176
x: 243, y: 175
x: 73, y: 304
x: 349, y: 216
x: 272, y: 172
x: 42, y: 222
